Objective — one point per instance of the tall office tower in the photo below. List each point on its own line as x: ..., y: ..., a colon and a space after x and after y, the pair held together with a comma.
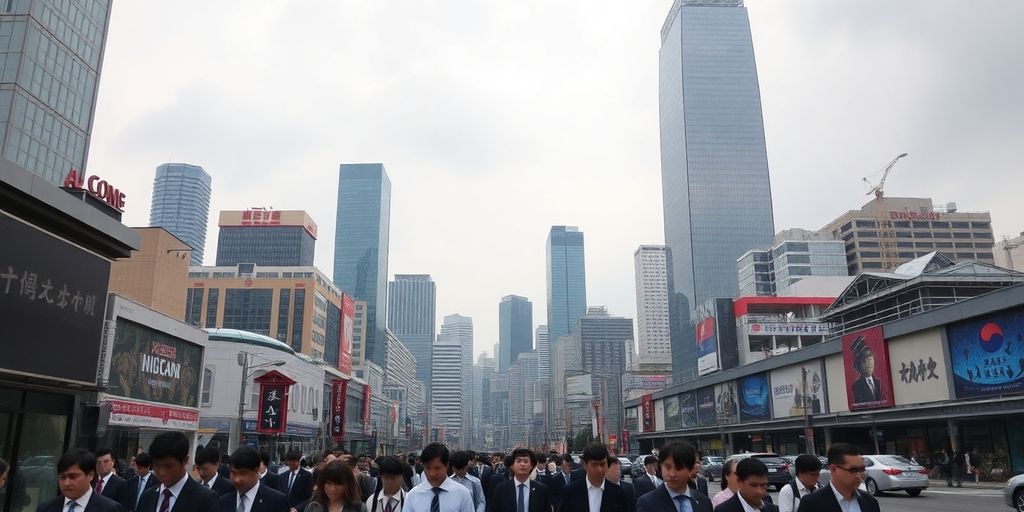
x: 515, y: 329
x: 460, y: 329
x: 412, y: 303
x: 714, y: 166
x: 487, y: 367
x: 447, y: 388
x: 361, y: 245
x: 567, y: 280
x: 181, y: 204
x: 543, y: 353
x: 266, y: 237
x: 53, y: 53
x: 651, y: 263
x: 602, y: 341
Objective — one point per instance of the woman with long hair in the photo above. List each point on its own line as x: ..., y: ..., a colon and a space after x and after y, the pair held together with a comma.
x: 336, y: 490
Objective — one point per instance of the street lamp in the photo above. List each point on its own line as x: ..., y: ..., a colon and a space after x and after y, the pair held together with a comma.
x: 247, y: 373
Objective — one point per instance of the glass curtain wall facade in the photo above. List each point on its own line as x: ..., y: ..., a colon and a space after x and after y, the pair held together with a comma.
x: 515, y: 329
x: 181, y: 204
x: 566, y: 280
x: 412, y: 317
x: 279, y: 246
x: 361, y: 246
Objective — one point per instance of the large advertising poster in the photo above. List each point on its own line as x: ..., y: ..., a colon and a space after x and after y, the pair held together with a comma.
x: 348, y: 327
x: 706, y: 407
x: 149, y: 365
x: 339, y: 390
x: 688, y: 410
x: 988, y: 354
x: 707, y: 341
x: 673, y: 418
x: 792, y: 392
x: 647, y: 413
x: 866, y: 361
x: 755, y: 398
x: 727, y: 409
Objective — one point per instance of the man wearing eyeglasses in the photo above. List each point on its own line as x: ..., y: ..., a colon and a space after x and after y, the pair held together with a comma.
x: 846, y: 467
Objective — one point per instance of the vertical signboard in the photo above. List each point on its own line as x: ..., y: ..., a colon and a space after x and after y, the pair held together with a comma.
x: 707, y: 342
x: 706, y: 416
x: 339, y: 390
x: 647, y: 413
x: 866, y: 361
x: 673, y: 418
x: 987, y: 354
x: 715, y: 332
x: 348, y: 327
x: 272, y: 415
x: 688, y: 409
x: 366, y: 409
x: 755, y: 398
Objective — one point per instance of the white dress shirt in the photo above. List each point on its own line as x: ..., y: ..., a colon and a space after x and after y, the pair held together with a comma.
x: 453, y: 497
x: 747, y: 507
x: 81, y: 502
x: 845, y: 504
x: 250, y: 496
x: 382, y: 501
x: 790, y: 503
x: 175, y: 491
x: 142, y: 487
x: 212, y: 480
x: 594, y: 495
x: 476, y: 490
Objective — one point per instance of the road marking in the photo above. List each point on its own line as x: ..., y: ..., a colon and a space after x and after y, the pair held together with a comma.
x: 967, y: 492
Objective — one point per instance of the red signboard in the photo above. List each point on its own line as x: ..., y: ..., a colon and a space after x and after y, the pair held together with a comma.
x: 96, y: 187
x: 625, y: 441
x: 146, y: 415
x: 339, y: 390
x: 259, y: 217
x: 348, y: 327
x: 705, y: 329
x: 272, y: 416
x: 647, y: 411
x: 366, y: 409
x: 868, y: 380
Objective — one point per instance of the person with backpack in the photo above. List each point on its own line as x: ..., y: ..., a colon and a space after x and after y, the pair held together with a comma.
x: 808, y: 471
x: 389, y: 496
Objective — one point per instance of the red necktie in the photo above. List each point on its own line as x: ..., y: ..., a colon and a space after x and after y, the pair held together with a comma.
x: 166, y: 505
x: 389, y: 507
x: 99, y: 486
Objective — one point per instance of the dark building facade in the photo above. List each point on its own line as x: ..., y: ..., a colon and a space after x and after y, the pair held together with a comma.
x: 566, y: 280
x: 515, y: 330
x: 412, y: 317
x: 270, y: 238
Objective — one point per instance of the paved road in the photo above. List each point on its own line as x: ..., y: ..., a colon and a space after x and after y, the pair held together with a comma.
x: 944, y: 500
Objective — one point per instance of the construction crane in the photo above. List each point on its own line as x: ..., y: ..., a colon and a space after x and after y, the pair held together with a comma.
x: 886, y: 231
x: 1009, y: 246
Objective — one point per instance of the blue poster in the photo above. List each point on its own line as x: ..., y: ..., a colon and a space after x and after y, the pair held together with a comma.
x: 755, y: 398
x: 706, y: 407
x: 988, y: 355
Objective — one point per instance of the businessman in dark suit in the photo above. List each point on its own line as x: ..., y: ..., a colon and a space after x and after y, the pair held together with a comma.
x: 678, y: 462
x: 109, y: 483
x: 520, y: 494
x: 248, y: 492
x: 77, y: 470
x: 177, y: 491
x: 143, y: 479
x: 614, y: 475
x: 296, y: 484
x: 267, y: 477
x: 752, y: 476
x: 560, y: 479
x: 846, y: 468
x: 208, y: 462
x: 577, y: 495
x: 650, y: 480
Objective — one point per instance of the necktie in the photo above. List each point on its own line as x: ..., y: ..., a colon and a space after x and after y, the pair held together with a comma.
x: 390, y: 506
x: 521, y: 503
x: 71, y: 506
x: 166, y: 505
x: 99, y: 486
x: 241, y: 503
x: 435, y: 503
x: 683, y: 504
x: 142, y: 487
x: 291, y: 480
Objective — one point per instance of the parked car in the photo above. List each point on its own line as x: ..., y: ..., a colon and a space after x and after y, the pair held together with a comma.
x: 894, y: 473
x: 778, y: 468
x: 1014, y: 493
x: 711, y: 467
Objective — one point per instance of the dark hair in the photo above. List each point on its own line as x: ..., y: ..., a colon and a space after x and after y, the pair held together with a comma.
x: 750, y: 466
x: 293, y: 454
x: 650, y: 459
x: 207, y: 456
x: 524, y: 452
x: 613, y: 460
x: 508, y: 461
x: 435, y: 451
x: 106, y: 451
x: 144, y: 460
x: 245, y: 457
x: 807, y: 463
x: 837, y: 453
x: 84, y: 459
x: 728, y: 468
x: 682, y: 454
x: 460, y: 459
x: 566, y: 458
x: 336, y: 472
x: 389, y: 465
x: 595, y: 452
x: 169, y: 444
x: 264, y: 458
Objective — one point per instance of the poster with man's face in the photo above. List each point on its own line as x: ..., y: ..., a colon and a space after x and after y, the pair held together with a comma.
x: 866, y: 362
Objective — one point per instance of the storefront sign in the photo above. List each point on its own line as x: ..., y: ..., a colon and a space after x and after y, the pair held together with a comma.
x: 348, y: 327
x: 988, y: 354
x: 366, y: 409
x: 272, y: 415
x: 787, y: 329
x: 134, y: 414
x: 339, y: 389
x: 866, y: 358
x: 149, y: 365
x: 96, y: 187
x: 909, y: 215
x: 647, y: 413
x: 755, y: 398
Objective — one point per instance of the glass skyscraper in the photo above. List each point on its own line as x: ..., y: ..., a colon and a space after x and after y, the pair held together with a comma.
x: 515, y: 329
x: 714, y: 166
x: 50, y: 59
x: 361, y: 246
x: 181, y: 204
x: 412, y: 317
x: 566, y: 280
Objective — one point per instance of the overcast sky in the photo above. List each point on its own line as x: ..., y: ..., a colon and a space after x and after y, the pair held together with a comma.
x: 497, y: 119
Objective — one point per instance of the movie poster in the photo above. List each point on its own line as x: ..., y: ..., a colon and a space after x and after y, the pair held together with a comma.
x: 706, y: 416
x: 755, y: 398
x: 688, y: 409
x: 727, y: 409
x: 988, y: 355
x: 866, y: 360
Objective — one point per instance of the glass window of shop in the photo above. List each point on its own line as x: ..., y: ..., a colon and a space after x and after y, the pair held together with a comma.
x: 34, y: 432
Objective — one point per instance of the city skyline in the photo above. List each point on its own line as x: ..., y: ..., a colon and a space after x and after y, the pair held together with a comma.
x: 878, y: 86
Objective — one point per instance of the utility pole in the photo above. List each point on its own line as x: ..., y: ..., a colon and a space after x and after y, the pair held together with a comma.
x: 808, y: 431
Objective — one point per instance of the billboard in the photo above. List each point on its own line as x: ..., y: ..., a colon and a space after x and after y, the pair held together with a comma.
x: 866, y: 362
x: 920, y: 372
x: 688, y: 410
x: 647, y: 413
x: 673, y: 418
x: 787, y: 328
x: 791, y: 394
x: 348, y: 327
x: 706, y: 407
x: 715, y: 334
x: 578, y: 388
x: 339, y: 391
x: 755, y: 398
x: 727, y: 407
x: 987, y: 354
x: 707, y: 346
x: 149, y: 365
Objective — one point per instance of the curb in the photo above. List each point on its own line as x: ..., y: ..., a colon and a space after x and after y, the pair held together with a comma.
x: 941, y: 484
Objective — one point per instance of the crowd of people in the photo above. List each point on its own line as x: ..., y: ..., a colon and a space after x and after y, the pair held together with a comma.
x: 440, y: 481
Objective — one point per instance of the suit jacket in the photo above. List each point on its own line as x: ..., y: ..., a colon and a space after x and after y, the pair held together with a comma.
x: 733, y: 505
x: 194, y: 497
x: 117, y: 489
x: 222, y: 486
x: 557, y: 488
x: 97, y: 503
x: 267, y: 500
x: 503, y: 497
x: 824, y: 500
x: 302, y: 488
x: 577, y: 474
x: 271, y: 479
x: 133, y: 485
x: 699, y: 484
x: 659, y: 500
x: 485, y: 479
x: 630, y: 494
x: 643, y: 485
x: 861, y: 392
x: 576, y: 499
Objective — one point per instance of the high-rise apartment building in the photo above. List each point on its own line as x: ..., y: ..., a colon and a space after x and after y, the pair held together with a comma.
x: 566, y: 280
x: 49, y: 78
x: 543, y: 353
x: 515, y: 329
x: 412, y: 313
x: 181, y: 204
x: 459, y: 329
x: 361, y: 245
x: 907, y: 228
x: 266, y: 237
x: 651, y: 265
x: 447, y: 387
x: 714, y: 165
x: 795, y: 255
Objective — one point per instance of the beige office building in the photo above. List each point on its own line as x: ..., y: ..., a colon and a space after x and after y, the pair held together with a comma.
x: 156, y: 275
x: 910, y: 227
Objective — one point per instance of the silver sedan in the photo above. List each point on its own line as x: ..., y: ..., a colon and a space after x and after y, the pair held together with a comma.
x: 894, y: 473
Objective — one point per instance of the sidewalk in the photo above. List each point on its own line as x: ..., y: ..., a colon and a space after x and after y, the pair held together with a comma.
x: 937, y: 484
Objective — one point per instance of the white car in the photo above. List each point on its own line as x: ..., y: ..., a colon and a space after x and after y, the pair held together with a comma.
x: 894, y: 473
